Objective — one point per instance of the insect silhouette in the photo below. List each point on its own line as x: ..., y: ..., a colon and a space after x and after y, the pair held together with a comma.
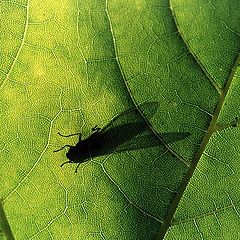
x: 127, y: 131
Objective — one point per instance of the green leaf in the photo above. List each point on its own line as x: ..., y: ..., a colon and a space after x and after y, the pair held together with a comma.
x: 67, y: 66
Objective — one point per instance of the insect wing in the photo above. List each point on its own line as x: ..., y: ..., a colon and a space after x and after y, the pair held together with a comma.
x: 126, y: 126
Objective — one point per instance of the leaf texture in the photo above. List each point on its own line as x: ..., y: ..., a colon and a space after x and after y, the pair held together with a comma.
x: 70, y: 65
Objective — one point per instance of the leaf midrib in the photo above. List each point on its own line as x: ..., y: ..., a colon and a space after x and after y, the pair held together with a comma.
x: 211, y: 129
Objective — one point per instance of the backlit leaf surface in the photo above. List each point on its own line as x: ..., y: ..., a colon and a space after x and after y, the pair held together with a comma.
x: 69, y: 65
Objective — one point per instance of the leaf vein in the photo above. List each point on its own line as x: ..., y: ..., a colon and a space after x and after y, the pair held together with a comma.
x: 127, y: 198
x: 215, y: 85
x: 20, y: 48
x: 131, y: 95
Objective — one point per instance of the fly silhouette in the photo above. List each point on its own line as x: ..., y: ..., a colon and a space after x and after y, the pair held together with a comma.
x: 127, y: 131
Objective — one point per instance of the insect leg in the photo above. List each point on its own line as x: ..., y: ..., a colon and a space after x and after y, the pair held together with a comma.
x: 96, y: 128
x: 77, y: 167
x: 62, y: 148
x: 65, y: 163
x: 69, y: 134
